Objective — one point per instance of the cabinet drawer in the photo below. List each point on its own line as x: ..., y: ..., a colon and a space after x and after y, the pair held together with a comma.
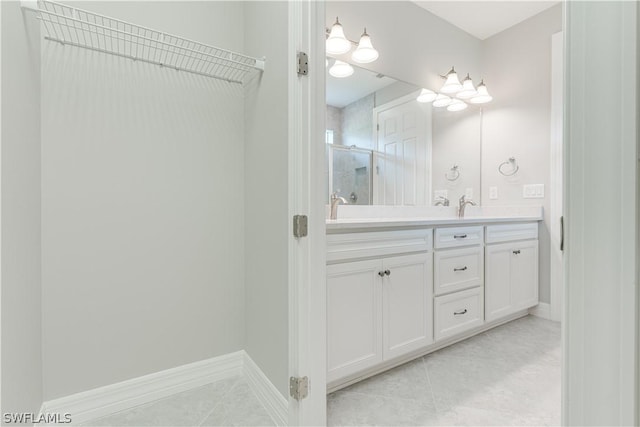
x: 450, y: 237
x: 348, y: 246
x: 458, y: 312
x: 457, y: 269
x: 511, y: 232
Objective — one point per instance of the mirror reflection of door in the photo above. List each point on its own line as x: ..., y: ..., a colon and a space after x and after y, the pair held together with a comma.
x: 404, y: 153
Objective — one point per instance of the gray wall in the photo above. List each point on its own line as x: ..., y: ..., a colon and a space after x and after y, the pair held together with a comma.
x: 517, y: 71
x: 267, y: 224
x: 142, y: 205
x: 21, y: 234
x: 415, y: 46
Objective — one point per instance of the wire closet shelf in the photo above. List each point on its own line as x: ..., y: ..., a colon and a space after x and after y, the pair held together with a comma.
x: 77, y: 27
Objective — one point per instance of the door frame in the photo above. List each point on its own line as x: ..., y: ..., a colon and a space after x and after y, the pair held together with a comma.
x: 307, y: 287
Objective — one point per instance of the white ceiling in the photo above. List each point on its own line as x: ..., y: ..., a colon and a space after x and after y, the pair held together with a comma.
x: 483, y: 19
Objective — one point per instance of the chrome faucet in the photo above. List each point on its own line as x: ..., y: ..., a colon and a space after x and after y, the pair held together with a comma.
x: 441, y: 201
x: 462, y: 203
x: 335, y: 201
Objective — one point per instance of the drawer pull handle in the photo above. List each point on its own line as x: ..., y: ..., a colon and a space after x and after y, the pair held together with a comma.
x: 460, y: 269
x: 459, y: 236
x: 387, y: 272
x: 516, y: 252
x: 381, y: 273
x: 457, y: 313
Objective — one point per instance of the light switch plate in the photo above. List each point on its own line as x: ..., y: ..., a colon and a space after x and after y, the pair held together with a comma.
x: 533, y: 191
x: 493, y: 193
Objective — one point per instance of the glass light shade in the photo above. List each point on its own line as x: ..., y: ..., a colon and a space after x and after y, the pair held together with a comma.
x: 365, y: 52
x: 426, y: 95
x: 468, y: 91
x: 483, y: 95
x: 452, y: 84
x: 457, y: 105
x: 341, y: 69
x: 337, y: 43
x: 441, y: 101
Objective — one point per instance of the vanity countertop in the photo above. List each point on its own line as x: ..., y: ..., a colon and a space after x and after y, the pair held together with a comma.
x: 404, y: 218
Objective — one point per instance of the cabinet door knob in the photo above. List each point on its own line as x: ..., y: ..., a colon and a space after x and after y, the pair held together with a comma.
x: 381, y: 273
x: 387, y: 272
x: 460, y: 268
x: 459, y: 236
x: 516, y: 252
x: 457, y: 313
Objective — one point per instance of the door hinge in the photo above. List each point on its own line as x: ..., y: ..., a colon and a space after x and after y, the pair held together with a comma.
x: 299, y: 387
x: 303, y: 64
x: 300, y: 226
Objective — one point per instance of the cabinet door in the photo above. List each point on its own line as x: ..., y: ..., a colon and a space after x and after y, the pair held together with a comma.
x: 524, y: 274
x: 511, y: 281
x: 497, y: 283
x: 354, y: 317
x: 408, y: 306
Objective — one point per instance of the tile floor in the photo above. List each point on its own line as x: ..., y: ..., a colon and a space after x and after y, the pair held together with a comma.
x: 226, y: 403
x: 508, y: 376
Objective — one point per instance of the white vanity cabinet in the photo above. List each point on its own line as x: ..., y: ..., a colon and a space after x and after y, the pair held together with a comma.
x: 458, y: 280
x: 380, y: 307
x: 511, y: 274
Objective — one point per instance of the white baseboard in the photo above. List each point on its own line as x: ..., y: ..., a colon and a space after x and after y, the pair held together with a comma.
x: 543, y: 310
x: 117, y: 397
x: 274, y: 402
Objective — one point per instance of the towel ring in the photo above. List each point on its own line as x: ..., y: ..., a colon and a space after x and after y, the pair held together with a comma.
x: 514, y: 167
x: 455, y: 173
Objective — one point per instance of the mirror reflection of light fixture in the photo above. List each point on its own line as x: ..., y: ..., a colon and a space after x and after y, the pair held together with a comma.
x: 441, y: 101
x: 456, y: 105
x: 365, y: 52
x: 426, y: 95
x: 468, y: 91
x: 483, y: 95
x: 452, y: 84
x: 337, y: 43
x: 341, y: 69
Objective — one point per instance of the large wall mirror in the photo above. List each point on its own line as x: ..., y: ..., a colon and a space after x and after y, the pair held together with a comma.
x: 385, y: 148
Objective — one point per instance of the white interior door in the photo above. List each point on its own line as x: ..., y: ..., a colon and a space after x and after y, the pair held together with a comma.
x: 404, y: 153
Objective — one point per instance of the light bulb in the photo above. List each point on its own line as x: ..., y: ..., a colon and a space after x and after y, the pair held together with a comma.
x: 337, y: 43
x: 452, y: 84
x: 468, y: 91
x: 457, y: 105
x: 365, y: 52
x: 441, y: 101
x: 341, y: 69
x: 483, y: 95
x: 426, y: 95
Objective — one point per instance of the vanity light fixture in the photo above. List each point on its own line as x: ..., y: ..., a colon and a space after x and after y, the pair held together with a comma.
x: 452, y: 84
x: 341, y: 69
x: 337, y: 43
x: 468, y: 91
x: 456, y: 105
x: 365, y: 52
x: 483, y: 95
x: 426, y: 95
x: 441, y: 101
